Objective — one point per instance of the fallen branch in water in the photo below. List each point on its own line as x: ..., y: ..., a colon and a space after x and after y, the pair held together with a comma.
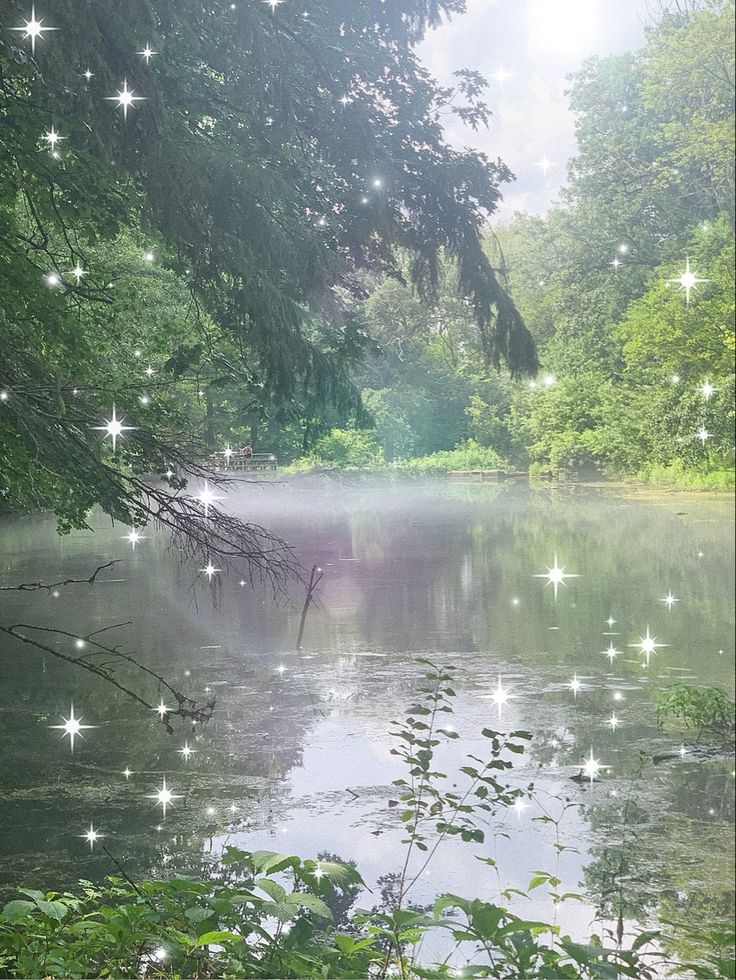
x: 36, y: 586
x: 314, y: 579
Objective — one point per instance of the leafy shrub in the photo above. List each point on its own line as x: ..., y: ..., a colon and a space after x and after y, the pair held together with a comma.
x: 469, y: 455
x: 348, y: 447
x: 707, y: 711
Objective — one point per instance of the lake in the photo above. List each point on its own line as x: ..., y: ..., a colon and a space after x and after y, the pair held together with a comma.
x: 297, y: 757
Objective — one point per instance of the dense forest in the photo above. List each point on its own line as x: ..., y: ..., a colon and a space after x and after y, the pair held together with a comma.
x: 634, y: 364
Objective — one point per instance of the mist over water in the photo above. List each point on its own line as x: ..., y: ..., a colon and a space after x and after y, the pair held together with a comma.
x: 297, y: 757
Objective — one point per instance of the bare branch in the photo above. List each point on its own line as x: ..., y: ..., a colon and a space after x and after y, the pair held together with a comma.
x: 36, y: 586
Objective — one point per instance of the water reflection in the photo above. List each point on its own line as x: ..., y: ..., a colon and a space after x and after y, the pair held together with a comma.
x: 297, y: 756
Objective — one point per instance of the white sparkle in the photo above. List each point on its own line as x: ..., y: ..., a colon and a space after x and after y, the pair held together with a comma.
x: 556, y: 576
x: 52, y: 138
x: 72, y: 727
x: 548, y: 380
x: 210, y: 571
x: 545, y: 164
x: 648, y: 645
x: 273, y: 4
x: 134, y: 537
x: 207, y: 497
x: 707, y: 390
x: 114, y: 428
x: 669, y: 600
x: 687, y: 280
x: 185, y: 751
x: 92, y: 836
x: 127, y: 772
x: 281, y: 669
x: 592, y: 767
x: 613, y: 722
x: 125, y: 98
x: 520, y: 805
x: 78, y: 272
x: 149, y: 371
x: 611, y: 653
x: 89, y: 74
x: 162, y: 709
x: 575, y: 685
x: 147, y: 53
x: 501, y: 76
x: 703, y: 435
x: 611, y: 622
x: 499, y: 696
x: 33, y: 29
x: 683, y: 751
x: 52, y: 279
x: 164, y: 797
x: 616, y: 263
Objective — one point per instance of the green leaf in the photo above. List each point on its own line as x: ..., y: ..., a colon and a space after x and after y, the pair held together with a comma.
x: 17, y: 909
x: 219, y: 937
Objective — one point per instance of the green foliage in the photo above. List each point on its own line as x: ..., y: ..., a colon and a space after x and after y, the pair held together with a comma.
x: 709, y: 711
x: 346, y: 448
x: 469, y: 455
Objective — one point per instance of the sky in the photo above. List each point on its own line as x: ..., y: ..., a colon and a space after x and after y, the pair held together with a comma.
x: 539, y: 42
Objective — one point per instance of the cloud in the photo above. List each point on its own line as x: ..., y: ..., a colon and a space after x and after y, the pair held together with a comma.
x: 540, y: 42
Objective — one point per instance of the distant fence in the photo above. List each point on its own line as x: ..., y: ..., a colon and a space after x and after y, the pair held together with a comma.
x: 244, y: 463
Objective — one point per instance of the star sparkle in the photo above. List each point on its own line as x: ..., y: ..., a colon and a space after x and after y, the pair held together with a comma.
x: 52, y: 138
x: 592, y: 767
x: 127, y: 773
x: 707, y: 390
x: 164, y: 796
x: 162, y: 709
x: 544, y: 164
x: 33, y: 29
x: 125, y: 99
x: 79, y: 273
x: 611, y: 653
x: 520, y: 805
x: 687, y: 281
x: 210, y: 571
x: 185, y: 751
x: 556, y: 576
x: 92, y: 836
x: 147, y: 53
x: 501, y: 76
x: 134, y: 537
x: 575, y: 685
x: 611, y: 622
x: 114, y: 428
x: 499, y: 696
x: 648, y: 645
x: 669, y: 600
x: 613, y: 722
x: 207, y: 497
x: 273, y: 4
x: 703, y: 435
x: 88, y: 74
x: 72, y: 727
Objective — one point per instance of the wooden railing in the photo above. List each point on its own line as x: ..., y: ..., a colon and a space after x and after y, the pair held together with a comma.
x: 250, y: 463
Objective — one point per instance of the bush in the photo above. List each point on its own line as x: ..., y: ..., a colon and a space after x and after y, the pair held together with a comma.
x: 708, y: 711
x: 348, y: 447
x: 469, y: 455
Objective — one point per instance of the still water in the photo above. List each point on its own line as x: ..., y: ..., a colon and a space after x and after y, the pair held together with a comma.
x: 298, y: 758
